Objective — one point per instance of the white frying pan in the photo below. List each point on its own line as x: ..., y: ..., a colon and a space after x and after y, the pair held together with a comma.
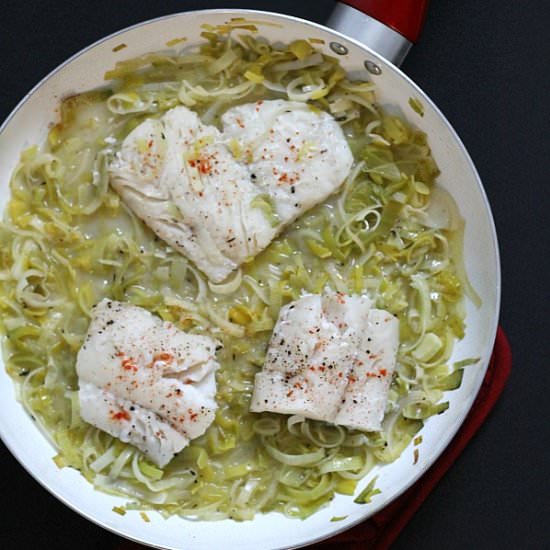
x: 368, y: 47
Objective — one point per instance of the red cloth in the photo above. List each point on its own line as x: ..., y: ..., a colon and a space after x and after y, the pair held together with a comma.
x: 379, y: 532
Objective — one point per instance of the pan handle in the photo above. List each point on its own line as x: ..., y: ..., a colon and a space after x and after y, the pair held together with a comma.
x: 389, y: 27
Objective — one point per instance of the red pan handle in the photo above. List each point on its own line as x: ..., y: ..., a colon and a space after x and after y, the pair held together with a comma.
x: 404, y: 16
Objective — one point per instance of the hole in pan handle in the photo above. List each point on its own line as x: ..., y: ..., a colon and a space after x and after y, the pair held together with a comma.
x: 389, y: 27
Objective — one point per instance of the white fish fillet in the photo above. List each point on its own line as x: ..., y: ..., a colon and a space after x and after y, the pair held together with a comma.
x: 299, y: 157
x: 365, y: 397
x: 195, y: 186
x: 145, y: 381
x: 130, y: 423
x: 331, y: 357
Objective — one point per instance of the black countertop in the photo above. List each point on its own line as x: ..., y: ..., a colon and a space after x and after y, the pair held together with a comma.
x: 486, y: 65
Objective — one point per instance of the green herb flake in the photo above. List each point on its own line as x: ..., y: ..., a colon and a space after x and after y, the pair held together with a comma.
x: 366, y: 495
x: 451, y: 382
x: 265, y: 203
x: 416, y: 106
x: 59, y: 461
x: 175, y: 41
x: 338, y: 518
x: 466, y: 362
x: 119, y: 510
